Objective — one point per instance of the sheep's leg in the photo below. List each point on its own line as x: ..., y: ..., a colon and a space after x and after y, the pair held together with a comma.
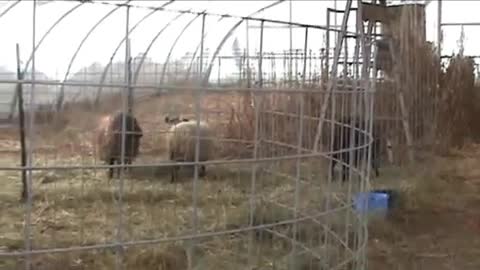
x: 174, y: 174
x: 203, y: 171
x: 110, y: 170
x: 128, y: 161
x: 118, y: 169
x: 332, y: 167
x: 345, y: 168
x: 344, y: 173
x: 375, y: 168
x: 174, y: 169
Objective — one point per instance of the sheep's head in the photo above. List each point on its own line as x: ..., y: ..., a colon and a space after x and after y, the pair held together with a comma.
x: 175, y: 120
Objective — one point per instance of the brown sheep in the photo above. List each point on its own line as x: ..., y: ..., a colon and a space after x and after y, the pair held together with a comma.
x: 109, y: 140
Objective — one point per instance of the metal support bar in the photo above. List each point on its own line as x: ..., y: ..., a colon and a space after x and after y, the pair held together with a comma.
x: 299, y: 151
x: 226, y: 37
x: 260, y: 61
x: 249, y: 77
x: 256, y: 142
x: 221, y: 18
x: 332, y: 82
x: 125, y: 108
x: 145, y: 53
x: 30, y: 146
x: 109, y: 64
x: 9, y: 8
x: 327, y: 45
x: 165, y: 65
x: 459, y: 24
x: 197, y: 95
x: 129, y: 78
x: 14, y: 99
x: 60, y: 99
x: 290, y: 56
x: 340, y: 10
x: 439, y: 27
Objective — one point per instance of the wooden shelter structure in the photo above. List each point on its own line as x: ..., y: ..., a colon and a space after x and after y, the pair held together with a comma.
x: 394, y: 20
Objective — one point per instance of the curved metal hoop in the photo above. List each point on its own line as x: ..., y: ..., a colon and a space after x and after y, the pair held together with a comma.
x: 228, y: 35
x: 137, y: 71
x: 9, y: 8
x: 173, y: 46
x: 192, y: 59
x: 109, y: 64
x: 62, y: 88
x: 217, y: 50
x: 48, y: 32
x: 15, y: 97
x: 221, y: 18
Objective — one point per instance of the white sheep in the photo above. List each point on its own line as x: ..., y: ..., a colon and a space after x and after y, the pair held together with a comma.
x: 181, y: 143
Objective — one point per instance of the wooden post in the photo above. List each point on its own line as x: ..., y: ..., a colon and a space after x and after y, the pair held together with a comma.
x: 21, y: 121
x: 403, y: 108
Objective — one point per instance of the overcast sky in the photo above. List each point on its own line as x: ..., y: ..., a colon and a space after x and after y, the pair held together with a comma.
x: 58, y: 48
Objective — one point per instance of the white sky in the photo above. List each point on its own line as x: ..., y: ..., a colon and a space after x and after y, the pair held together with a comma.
x: 58, y: 48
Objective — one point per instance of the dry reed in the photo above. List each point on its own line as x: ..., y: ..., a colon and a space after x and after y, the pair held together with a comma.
x: 457, y: 110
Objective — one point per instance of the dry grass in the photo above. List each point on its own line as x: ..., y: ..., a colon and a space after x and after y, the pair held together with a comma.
x: 415, y: 74
x: 459, y: 105
x: 432, y: 229
x: 73, y: 208
x: 440, y: 105
x: 436, y: 223
x: 79, y: 207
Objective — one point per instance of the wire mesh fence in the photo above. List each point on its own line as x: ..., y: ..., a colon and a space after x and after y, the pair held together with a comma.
x: 222, y: 161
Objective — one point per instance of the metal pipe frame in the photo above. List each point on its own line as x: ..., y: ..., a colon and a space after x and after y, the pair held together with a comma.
x: 164, y: 69
x: 15, y: 97
x: 301, y: 106
x: 172, y: 87
x: 211, y: 14
x: 228, y: 35
x: 253, y: 177
x: 125, y: 109
x: 331, y: 86
x: 260, y: 60
x: 290, y: 36
x: 220, y: 19
x: 198, y: 96
x: 60, y: 98
x: 30, y: 146
x: 461, y: 24
x: 9, y: 8
x: 327, y: 45
x: 192, y: 59
x: 439, y: 27
x: 142, y: 60
x: 105, y: 71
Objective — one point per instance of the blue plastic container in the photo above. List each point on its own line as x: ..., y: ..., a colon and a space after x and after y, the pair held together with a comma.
x: 376, y: 201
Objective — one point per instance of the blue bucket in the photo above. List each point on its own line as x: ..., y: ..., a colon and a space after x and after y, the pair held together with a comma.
x: 376, y: 201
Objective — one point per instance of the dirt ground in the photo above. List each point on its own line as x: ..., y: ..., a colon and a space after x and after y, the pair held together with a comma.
x: 438, y: 224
